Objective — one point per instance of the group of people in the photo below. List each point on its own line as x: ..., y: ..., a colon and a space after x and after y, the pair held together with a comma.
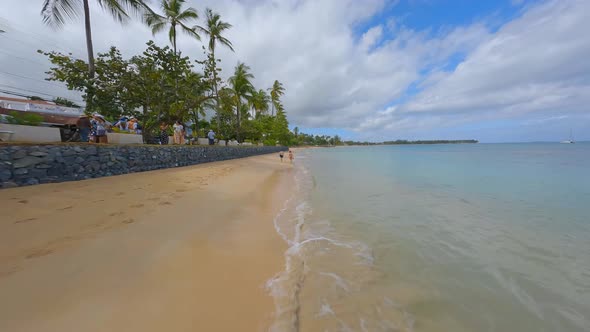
x: 92, y: 129
x: 282, y: 155
x: 128, y: 124
x: 180, y: 134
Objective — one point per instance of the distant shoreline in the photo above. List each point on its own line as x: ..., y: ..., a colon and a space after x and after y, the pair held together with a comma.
x: 398, y: 142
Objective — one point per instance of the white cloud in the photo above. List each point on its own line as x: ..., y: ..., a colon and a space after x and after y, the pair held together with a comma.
x: 340, y: 78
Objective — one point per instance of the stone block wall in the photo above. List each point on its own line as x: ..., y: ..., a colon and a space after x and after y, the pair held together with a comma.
x: 33, y: 164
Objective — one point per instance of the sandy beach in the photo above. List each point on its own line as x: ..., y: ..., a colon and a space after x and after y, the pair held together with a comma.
x: 184, y: 249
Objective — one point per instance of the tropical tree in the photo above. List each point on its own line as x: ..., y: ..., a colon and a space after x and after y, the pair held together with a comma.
x: 215, y: 28
x: 174, y: 17
x: 56, y: 12
x: 276, y: 92
x: 259, y: 102
x: 241, y: 88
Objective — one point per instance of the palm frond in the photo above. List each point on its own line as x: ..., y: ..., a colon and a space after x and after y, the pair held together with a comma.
x: 56, y: 12
x: 188, y: 14
x: 190, y: 31
x: 156, y: 22
x: 226, y: 42
x: 115, y: 8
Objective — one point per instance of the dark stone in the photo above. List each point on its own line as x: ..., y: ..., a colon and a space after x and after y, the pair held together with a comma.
x: 21, y: 171
x: 95, y: 165
x: 37, y: 173
x: 49, y: 179
x: 31, y: 181
x: 5, y: 175
x: 68, y: 152
x: 19, y: 154
x: 38, y: 154
x: 79, y: 160
x: 47, y: 166
x: 26, y: 162
x: 9, y: 184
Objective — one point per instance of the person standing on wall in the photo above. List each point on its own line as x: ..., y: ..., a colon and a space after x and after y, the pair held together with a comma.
x: 211, y: 136
x: 99, y: 127
x: 83, y: 125
x: 178, y: 133
x: 163, y: 133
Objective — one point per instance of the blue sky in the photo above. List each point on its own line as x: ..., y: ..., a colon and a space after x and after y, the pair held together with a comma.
x: 496, y: 71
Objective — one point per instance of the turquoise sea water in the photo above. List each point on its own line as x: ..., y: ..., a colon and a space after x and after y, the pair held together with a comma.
x: 474, y: 237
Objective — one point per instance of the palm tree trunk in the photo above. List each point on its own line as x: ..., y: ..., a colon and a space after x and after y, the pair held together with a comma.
x: 238, y: 111
x: 174, y: 37
x: 89, y: 47
x: 216, y: 92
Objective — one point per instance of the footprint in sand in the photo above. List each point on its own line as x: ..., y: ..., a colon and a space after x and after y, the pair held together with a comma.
x: 23, y: 201
x: 24, y: 220
x: 118, y: 213
x: 66, y: 208
x: 154, y: 199
x: 39, y: 253
x: 128, y: 221
x: 137, y: 206
x: 165, y: 203
x: 180, y: 190
x: 120, y: 193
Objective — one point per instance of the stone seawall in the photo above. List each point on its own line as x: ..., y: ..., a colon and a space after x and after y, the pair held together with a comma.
x: 22, y: 165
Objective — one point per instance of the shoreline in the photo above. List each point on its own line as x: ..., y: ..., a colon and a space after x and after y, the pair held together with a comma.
x: 177, y: 249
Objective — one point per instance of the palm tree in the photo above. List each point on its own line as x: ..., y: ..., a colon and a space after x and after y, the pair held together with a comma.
x: 214, y: 29
x: 175, y: 17
x: 241, y: 88
x: 56, y: 12
x: 259, y: 102
x: 276, y: 92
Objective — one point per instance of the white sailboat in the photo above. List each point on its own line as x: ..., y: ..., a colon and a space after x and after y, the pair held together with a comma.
x: 569, y: 141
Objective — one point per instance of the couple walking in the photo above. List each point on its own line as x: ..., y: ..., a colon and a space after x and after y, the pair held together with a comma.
x: 282, y: 154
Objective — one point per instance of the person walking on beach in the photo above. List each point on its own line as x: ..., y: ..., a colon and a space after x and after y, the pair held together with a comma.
x: 211, y: 136
x: 178, y: 133
x: 291, y: 156
x: 281, y: 154
x: 84, y: 126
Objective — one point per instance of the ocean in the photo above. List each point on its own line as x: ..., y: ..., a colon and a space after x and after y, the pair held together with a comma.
x: 465, y: 237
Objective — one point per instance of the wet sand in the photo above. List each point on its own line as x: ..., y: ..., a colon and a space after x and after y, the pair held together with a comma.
x: 184, y: 249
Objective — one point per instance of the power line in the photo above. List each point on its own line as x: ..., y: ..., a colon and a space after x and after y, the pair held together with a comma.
x: 32, y: 79
x: 21, y: 58
x: 12, y: 93
x: 41, y: 93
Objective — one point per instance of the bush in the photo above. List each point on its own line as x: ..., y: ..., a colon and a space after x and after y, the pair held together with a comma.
x: 24, y: 119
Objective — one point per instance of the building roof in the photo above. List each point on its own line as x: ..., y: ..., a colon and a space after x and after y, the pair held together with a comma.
x: 27, y: 101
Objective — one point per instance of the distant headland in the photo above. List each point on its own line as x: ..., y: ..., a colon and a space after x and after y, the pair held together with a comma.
x: 403, y: 142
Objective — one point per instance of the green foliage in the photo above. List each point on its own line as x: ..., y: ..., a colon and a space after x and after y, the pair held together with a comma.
x: 175, y: 17
x: 160, y: 86
x: 241, y: 89
x: 24, y: 119
x: 64, y: 102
